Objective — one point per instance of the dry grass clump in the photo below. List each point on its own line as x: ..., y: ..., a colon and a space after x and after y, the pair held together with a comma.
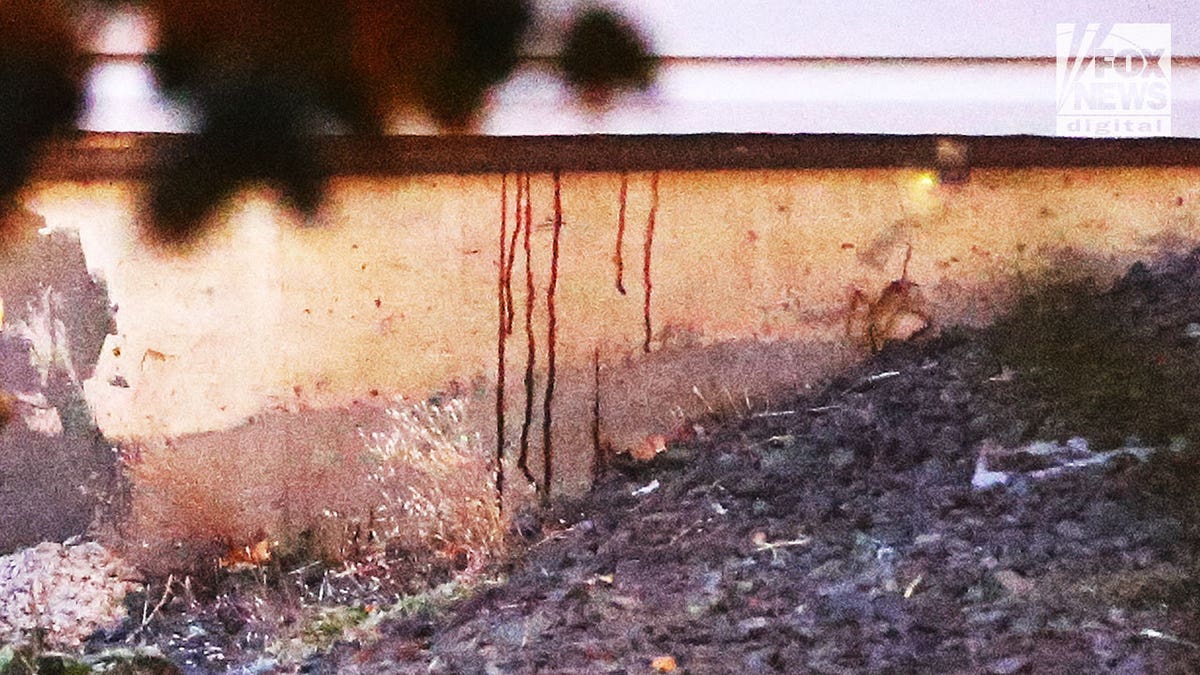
x: 435, y: 478
x: 313, y: 486
x: 195, y: 501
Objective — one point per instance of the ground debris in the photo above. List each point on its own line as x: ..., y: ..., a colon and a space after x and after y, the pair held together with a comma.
x: 843, y: 535
x: 58, y: 595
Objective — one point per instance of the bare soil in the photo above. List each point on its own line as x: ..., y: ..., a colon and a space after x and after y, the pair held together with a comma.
x: 842, y: 532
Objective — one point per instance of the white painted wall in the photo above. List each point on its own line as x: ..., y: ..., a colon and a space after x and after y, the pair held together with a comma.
x: 771, y: 66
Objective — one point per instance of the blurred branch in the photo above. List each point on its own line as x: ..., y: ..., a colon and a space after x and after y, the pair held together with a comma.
x: 265, y: 76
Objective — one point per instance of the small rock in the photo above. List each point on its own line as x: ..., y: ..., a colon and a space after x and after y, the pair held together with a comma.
x: 1117, y: 543
x: 841, y: 458
x: 781, y: 460
x: 1025, y: 624
x: 759, y: 661
x: 1008, y: 665
x: 1078, y: 445
x: 1069, y: 529
x: 830, y: 569
x: 1061, y: 624
x: 511, y: 632
x: 928, y: 540
x: 752, y: 627
x: 985, y: 618
x: 974, y: 594
x: 1140, y: 558
x: 1012, y: 582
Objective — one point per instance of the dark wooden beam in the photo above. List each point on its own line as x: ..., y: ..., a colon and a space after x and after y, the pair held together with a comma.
x: 136, y: 156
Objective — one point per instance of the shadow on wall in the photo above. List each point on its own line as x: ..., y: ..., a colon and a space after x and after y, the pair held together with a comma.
x: 54, y: 466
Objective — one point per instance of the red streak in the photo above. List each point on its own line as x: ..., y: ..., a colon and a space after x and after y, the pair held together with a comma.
x: 530, y: 341
x: 551, y: 340
x: 502, y: 298
x: 647, y: 282
x: 512, y: 256
x: 619, y: 257
x: 599, y: 459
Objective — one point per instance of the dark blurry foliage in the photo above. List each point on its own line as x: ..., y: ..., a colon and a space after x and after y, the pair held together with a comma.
x: 484, y: 36
x: 40, y: 86
x: 603, y: 54
x: 252, y: 131
x: 263, y: 77
x: 260, y: 76
x: 305, y: 45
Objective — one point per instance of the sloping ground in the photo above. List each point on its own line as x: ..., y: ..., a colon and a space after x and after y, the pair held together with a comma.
x: 900, y: 521
x: 1020, y: 499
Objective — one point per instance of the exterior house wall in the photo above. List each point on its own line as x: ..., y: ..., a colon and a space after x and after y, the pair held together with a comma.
x: 395, y: 291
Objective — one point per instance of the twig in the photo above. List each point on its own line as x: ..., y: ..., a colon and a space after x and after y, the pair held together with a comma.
x: 824, y: 409
x: 880, y: 377
x: 871, y: 380
x: 310, y: 565
x: 687, y: 529
x: 147, y: 618
x: 772, y: 545
x: 1159, y: 635
x: 554, y: 535
x: 729, y: 397
x: 187, y: 587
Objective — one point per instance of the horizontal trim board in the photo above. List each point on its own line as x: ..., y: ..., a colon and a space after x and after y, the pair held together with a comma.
x: 136, y: 156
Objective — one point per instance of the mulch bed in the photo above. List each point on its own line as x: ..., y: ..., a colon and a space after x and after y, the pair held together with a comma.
x: 1018, y: 499
x: 843, y: 534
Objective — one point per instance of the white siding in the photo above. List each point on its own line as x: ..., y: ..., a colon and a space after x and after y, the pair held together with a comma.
x: 771, y: 66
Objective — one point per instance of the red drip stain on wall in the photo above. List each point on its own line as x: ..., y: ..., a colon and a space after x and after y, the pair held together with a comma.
x: 599, y: 457
x: 531, y: 342
x: 619, y: 256
x: 647, y: 282
x: 504, y: 302
x: 512, y: 256
x: 551, y: 339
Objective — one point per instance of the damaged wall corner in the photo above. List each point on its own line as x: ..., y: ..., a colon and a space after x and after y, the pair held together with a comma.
x: 56, y: 317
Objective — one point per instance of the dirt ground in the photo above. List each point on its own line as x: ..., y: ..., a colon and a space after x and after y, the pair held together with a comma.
x: 1019, y: 499
x: 843, y: 534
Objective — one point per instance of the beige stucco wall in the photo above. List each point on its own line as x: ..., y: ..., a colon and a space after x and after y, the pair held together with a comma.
x: 395, y: 290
